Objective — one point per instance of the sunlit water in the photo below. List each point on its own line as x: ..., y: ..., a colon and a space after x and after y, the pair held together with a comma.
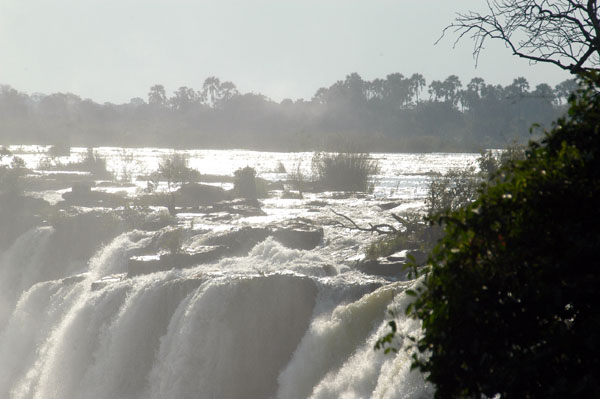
x: 277, y: 323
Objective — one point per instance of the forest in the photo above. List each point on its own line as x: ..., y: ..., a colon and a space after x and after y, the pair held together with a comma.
x: 397, y: 113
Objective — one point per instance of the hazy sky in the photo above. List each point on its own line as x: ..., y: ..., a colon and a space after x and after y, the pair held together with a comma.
x: 113, y: 50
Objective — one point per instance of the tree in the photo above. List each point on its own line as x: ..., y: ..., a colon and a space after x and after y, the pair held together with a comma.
x: 211, y: 90
x: 564, y: 89
x: 436, y: 89
x: 228, y: 91
x: 448, y: 90
x: 183, y: 98
x: 175, y: 171
x: 157, y: 96
x: 518, y: 89
x: 417, y: 82
x: 565, y: 33
x: 509, y: 302
x: 397, y: 90
x: 473, y: 93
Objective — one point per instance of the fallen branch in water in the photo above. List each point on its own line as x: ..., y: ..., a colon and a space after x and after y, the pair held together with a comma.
x: 382, y: 228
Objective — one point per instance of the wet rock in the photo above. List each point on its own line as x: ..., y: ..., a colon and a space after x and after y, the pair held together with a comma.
x: 199, y: 255
x: 238, y: 202
x: 291, y: 195
x: 407, y: 255
x: 298, y: 234
x: 107, y: 280
x: 51, y: 180
x: 199, y: 194
x: 329, y: 270
x: 245, y: 207
x: 83, y: 195
x: 246, y: 211
x: 145, y: 264
x: 155, y: 222
x: 397, y: 265
x: 386, y: 206
x: 384, y: 267
x: 115, y: 184
x: 317, y: 203
x: 240, y: 241
x: 275, y: 186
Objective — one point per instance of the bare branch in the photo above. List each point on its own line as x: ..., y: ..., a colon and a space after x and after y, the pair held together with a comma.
x: 381, y: 229
x: 565, y: 33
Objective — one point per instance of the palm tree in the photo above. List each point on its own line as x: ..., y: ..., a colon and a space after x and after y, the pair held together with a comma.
x: 211, y: 90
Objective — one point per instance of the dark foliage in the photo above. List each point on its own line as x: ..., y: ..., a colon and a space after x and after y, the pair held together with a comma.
x: 509, y: 304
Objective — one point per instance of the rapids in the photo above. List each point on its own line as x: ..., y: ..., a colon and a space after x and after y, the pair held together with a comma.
x: 275, y: 323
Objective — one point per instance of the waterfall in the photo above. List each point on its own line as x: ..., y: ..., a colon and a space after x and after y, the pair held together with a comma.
x: 336, y: 358
x: 273, y: 324
x: 21, y: 266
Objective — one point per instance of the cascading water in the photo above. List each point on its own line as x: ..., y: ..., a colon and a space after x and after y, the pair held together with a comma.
x: 21, y: 266
x: 257, y: 326
x: 273, y: 323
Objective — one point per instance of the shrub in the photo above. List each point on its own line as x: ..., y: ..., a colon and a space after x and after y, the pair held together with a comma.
x: 59, y: 150
x: 509, y: 304
x: 415, y: 234
x: 297, y: 178
x: 247, y: 185
x: 490, y: 162
x: 345, y: 171
x: 244, y: 183
x: 451, y: 191
x: 280, y: 167
x: 175, y: 171
x: 10, y: 175
x: 92, y: 163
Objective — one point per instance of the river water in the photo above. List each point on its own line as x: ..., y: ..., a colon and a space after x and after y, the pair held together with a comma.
x: 275, y: 323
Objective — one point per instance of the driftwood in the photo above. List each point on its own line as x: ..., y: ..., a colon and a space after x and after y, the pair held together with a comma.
x: 382, y: 228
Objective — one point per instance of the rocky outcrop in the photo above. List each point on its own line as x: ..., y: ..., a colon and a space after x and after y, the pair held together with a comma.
x: 386, y: 206
x: 107, y: 280
x: 298, y: 234
x: 145, y: 264
x: 240, y: 241
x: 190, y: 195
x: 395, y: 266
x: 83, y: 195
x: 245, y: 207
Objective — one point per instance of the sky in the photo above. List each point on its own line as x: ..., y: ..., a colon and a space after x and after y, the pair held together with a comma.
x: 114, y: 50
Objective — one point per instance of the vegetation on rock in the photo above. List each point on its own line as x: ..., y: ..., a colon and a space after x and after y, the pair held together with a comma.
x: 247, y: 185
x: 344, y: 171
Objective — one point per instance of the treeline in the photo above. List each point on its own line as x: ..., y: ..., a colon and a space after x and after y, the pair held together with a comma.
x: 397, y: 113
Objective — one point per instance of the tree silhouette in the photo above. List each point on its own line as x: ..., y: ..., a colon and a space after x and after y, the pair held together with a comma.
x: 183, y: 98
x: 564, y: 33
x: 417, y: 82
x: 211, y: 90
x: 157, y: 96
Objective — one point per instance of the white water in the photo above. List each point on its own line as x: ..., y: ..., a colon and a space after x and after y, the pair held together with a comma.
x: 277, y: 323
x: 180, y: 335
